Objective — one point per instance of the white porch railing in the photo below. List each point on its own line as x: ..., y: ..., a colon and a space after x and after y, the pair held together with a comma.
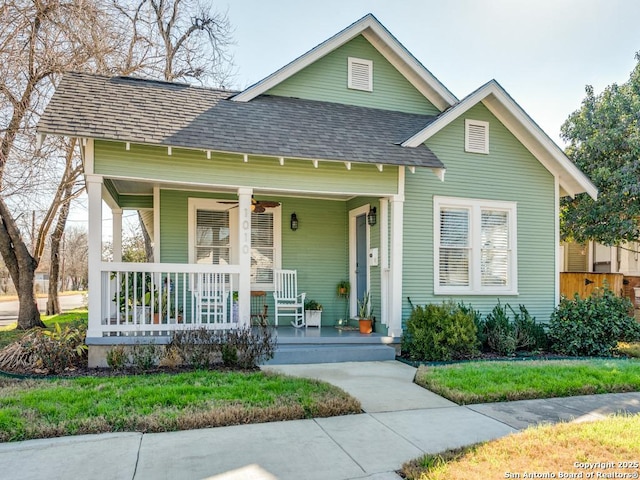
x: 158, y: 298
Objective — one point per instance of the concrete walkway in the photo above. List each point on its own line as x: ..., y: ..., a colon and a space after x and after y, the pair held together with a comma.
x: 402, y: 421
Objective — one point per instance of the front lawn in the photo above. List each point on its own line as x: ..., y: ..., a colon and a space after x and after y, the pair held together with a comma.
x: 570, y: 448
x: 163, y: 402
x: 479, y: 382
x: 9, y: 333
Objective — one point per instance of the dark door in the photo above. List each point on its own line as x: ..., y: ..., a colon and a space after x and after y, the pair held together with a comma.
x: 361, y: 256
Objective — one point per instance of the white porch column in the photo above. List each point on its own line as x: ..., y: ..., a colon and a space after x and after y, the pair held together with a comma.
x: 94, y: 192
x: 117, y: 234
x: 395, y: 297
x: 384, y: 261
x: 244, y: 256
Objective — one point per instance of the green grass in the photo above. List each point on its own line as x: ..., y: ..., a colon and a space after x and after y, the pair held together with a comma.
x: 479, y: 382
x: 161, y: 402
x: 9, y: 333
x: 545, y: 449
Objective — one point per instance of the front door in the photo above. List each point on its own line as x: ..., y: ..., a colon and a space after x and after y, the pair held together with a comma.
x: 358, y: 256
x: 361, y: 256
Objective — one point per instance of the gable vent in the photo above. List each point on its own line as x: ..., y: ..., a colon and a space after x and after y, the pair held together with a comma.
x: 476, y: 136
x: 360, y: 76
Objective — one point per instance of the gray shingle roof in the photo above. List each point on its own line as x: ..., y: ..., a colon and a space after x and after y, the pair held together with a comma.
x: 160, y: 113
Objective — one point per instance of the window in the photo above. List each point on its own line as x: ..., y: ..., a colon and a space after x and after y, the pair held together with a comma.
x: 476, y: 136
x: 360, y: 74
x: 263, y: 251
x: 213, y: 238
x: 475, y: 246
x: 212, y: 242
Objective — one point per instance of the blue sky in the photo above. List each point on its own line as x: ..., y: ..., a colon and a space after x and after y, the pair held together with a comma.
x: 543, y: 52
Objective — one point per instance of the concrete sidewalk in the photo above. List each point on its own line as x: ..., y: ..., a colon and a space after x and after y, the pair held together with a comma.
x: 402, y: 421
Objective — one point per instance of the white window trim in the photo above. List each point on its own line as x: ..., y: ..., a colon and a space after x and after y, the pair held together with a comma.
x: 467, y: 148
x: 475, y: 207
x: 350, y: 62
x: 195, y: 204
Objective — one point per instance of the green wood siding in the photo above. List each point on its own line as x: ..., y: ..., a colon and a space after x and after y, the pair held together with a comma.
x: 326, y: 80
x: 318, y: 249
x: 152, y: 163
x: 510, y: 173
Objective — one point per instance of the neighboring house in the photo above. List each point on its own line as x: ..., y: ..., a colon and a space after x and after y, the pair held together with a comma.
x: 595, y: 257
x: 355, y: 126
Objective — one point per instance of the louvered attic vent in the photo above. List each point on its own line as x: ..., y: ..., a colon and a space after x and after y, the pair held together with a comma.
x: 476, y: 136
x: 360, y: 76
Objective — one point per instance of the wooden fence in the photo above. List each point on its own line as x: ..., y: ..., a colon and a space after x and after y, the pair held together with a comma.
x: 584, y: 283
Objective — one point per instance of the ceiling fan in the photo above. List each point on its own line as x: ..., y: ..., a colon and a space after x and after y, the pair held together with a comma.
x: 257, y: 206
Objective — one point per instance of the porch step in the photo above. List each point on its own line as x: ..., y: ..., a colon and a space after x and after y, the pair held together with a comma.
x: 301, y: 354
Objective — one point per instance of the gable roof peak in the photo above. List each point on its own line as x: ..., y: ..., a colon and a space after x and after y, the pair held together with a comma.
x: 384, y: 42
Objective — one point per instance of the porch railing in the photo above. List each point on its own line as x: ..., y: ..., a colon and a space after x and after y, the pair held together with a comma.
x: 158, y: 298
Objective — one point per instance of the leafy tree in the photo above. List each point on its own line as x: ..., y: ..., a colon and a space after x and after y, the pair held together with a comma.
x: 604, y: 141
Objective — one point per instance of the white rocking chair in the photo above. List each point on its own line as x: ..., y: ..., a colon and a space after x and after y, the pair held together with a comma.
x: 288, y: 303
x: 211, y: 297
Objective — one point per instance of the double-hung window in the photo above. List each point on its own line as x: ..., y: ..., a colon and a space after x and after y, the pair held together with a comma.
x: 213, y: 238
x: 474, y: 246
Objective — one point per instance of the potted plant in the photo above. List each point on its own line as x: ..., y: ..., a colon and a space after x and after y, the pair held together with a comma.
x: 342, y: 291
x: 133, y: 296
x: 164, y: 306
x: 365, y: 314
x: 343, y: 288
x: 312, y: 313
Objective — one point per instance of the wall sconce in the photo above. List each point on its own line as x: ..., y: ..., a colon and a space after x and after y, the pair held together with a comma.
x: 294, y: 221
x: 372, y: 216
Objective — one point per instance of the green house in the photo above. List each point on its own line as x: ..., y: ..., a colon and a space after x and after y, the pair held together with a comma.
x: 353, y: 162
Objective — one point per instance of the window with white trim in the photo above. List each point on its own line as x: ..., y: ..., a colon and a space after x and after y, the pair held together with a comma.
x: 476, y: 136
x: 213, y: 238
x: 474, y: 246
x: 360, y: 74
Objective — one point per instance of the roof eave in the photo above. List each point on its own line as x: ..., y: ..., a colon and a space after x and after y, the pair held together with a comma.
x: 572, y: 180
x: 384, y: 42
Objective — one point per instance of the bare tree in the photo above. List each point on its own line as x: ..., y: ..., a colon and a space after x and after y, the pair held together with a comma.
x: 76, y: 257
x: 176, y: 40
x: 179, y: 40
x: 39, y: 39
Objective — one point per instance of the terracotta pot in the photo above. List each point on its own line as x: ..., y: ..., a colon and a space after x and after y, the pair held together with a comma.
x: 342, y: 291
x: 365, y: 325
x: 156, y: 318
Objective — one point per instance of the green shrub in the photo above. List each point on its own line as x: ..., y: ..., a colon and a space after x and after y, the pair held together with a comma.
x: 145, y: 356
x: 592, y: 326
x: 440, y: 332
x: 117, y: 357
x: 499, y: 331
x: 503, y: 335
x: 59, y: 349
x: 229, y: 355
x: 244, y: 348
x: 529, y: 334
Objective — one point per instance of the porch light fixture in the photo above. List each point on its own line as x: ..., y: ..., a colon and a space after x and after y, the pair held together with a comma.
x: 372, y: 216
x: 294, y: 221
